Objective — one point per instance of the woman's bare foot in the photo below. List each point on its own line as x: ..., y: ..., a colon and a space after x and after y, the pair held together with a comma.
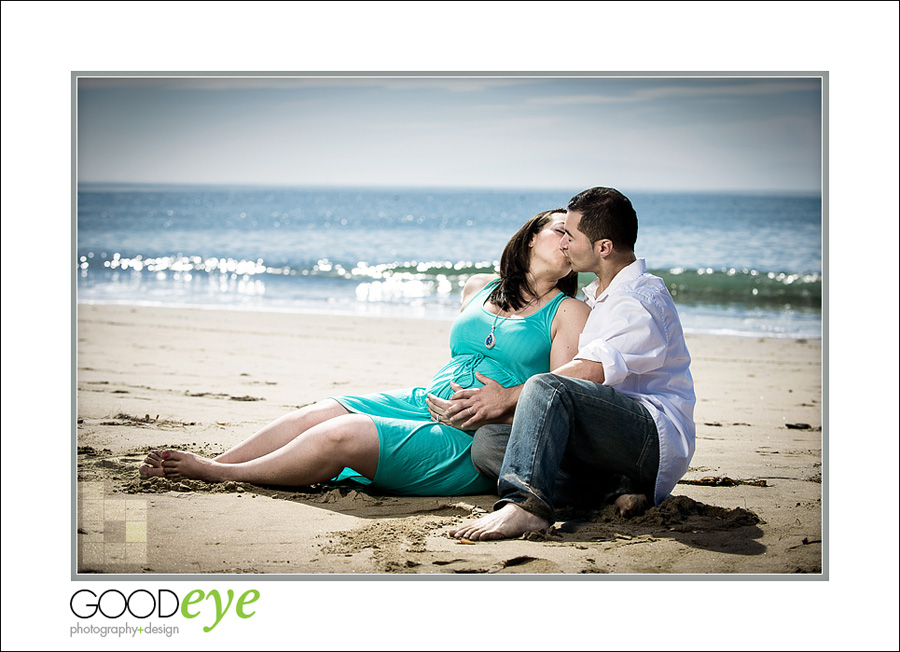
x: 509, y: 522
x: 181, y: 464
x: 631, y: 505
x: 152, y: 465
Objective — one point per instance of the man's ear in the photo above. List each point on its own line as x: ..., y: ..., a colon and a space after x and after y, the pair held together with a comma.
x: 603, y: 247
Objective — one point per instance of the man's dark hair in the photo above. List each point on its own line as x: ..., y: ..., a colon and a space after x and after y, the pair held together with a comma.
x: 515, y: 263
x: 606, y: 214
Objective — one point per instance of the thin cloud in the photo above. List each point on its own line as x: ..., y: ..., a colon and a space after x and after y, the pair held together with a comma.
x: 288, y: 81
x: 693, y: 91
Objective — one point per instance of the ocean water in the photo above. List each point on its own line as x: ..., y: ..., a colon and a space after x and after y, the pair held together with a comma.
x: 736, y: 264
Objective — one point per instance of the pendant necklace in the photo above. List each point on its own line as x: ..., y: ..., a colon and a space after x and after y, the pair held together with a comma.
x: 490, y: 340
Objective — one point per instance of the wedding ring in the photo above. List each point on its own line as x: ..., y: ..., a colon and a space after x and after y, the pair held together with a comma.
x: 469, y: 410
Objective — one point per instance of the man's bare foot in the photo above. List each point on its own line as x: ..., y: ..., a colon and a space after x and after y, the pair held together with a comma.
x: 509, y: 522
x: 181, y: 464
x: 152, y: 465
x: 631, y: 505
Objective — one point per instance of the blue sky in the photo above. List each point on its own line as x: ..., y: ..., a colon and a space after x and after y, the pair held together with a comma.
x: 640, y: 133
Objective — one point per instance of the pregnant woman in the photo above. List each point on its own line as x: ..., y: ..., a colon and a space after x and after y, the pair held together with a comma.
x: 512, y: 327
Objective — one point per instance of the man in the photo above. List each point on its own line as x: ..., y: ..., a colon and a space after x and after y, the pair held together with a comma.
x: 621, y: 412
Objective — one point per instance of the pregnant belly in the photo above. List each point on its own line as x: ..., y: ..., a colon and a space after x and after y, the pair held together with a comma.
x: 461, y: 370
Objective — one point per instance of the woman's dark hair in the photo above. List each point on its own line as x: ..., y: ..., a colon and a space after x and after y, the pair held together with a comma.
x: 515, y: 263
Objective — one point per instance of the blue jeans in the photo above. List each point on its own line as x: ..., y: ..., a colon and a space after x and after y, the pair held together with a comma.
x: 572, y: 442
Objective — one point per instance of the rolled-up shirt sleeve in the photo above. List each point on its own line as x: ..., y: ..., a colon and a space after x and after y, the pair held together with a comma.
x: 614, y: 366
x: 623, y: 336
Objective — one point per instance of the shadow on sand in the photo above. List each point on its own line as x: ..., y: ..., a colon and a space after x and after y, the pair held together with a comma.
x: 707, y: 527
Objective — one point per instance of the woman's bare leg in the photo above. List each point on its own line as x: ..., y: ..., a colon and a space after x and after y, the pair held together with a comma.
x: 282, y: 431
x: 317, y: 455
x: 269, y: 438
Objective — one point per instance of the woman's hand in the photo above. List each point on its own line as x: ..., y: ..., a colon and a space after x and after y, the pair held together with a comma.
x: 469, y: 409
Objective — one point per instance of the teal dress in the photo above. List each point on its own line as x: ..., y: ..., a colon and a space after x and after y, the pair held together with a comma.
x: 418, y: 457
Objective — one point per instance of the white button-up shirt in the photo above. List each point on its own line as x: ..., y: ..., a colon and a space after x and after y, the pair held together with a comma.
x: 635, y: 332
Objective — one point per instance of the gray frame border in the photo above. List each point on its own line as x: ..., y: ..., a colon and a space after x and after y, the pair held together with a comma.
x: 75, y: 576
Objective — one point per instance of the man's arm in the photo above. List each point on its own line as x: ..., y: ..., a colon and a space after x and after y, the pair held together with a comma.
x: 583, y: 369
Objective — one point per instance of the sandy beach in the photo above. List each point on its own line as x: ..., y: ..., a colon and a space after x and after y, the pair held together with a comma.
x: 202, y: 380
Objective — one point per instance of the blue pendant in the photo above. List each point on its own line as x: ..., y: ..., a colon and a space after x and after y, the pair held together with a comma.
x: 489, y: 341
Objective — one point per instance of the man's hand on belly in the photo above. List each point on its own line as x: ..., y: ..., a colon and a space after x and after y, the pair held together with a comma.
x: 469, y: 409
